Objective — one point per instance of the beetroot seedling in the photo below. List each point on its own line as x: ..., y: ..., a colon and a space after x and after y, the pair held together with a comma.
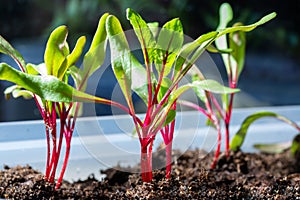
x: 231, y: 44
x: 47, y: 83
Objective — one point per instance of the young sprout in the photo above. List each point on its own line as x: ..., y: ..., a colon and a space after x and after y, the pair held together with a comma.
x: 48, y: 83
x: 231, y: 43
x: 155, y: 81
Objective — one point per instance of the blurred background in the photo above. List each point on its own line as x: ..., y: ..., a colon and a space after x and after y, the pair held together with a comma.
x: 272, y: 72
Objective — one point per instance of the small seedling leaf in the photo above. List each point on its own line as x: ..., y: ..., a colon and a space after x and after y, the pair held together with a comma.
x: 144, y: 35
x: 295, y: 147
x: 169, y: 42
x: 56, y: 52
x: 273, y: 148
x: 48, y: 87
x: 95, y: 56
x: 239, y: 137
x: 7, y: 49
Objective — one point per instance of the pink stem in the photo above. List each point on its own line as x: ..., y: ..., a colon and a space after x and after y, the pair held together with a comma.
x: 59, y: 180
x: 217, y: 153
x: 168, y: 159
x: 146, y: 162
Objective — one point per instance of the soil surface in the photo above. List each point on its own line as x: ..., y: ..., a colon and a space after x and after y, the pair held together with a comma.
x: 241, y: 176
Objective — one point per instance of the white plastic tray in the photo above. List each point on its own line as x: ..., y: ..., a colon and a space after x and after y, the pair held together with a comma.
x: 102, y: 142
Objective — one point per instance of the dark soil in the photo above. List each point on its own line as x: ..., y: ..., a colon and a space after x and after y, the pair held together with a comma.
x: 241, y: 176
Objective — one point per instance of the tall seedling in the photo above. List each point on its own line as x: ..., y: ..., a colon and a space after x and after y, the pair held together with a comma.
x: 166, y: 61
x: 231, y: 43
x: 48, y: 82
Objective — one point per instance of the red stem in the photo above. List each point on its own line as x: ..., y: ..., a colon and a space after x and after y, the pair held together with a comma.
x: 217, y: 153
x: 146, y: 162
x: 47, y: 173
x: 168, y: 159
x: 59, y: 180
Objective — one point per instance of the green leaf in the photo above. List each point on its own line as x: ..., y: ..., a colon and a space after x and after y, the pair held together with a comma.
x: 250, y: 27
x: 222, y: 43
x: 153, y: 26
x: 77, y: 75
x: 73, y: 57
x: 211, y: 48
x: 295, y: 148
x: 199, y: 91
x: 7, y: 49
x: 169, y: 42
x: 144, y: 35
x: 17, y: 91
x: 36, y: 69
x: 121, y: 57
x: 48, y: 87
x: 225, y: 15
x: 239, y: 137
x: 184, y: 62
x: 95, y: 56
x: 273, y: 148
x: 56, y: 52
x: 165, y: 85
x: 237, y: 42
x: 170, y: 117
x: 214, y: 86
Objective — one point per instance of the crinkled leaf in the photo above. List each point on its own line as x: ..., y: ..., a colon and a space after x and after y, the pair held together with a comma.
x: 144, y: 35
x: 7, y: 49
x: 57, y: 50
x: 239, y: 137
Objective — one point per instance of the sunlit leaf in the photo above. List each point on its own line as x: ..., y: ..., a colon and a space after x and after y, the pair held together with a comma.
x: 190, y: 52
x: 153, y: 26
x: 273, y: 148
x: 239, y: 137
x: 73, y: 57
x: 214, y: 86
x: 56, y: 51
x: 144, y: 35
x: 170, y: 117
x: 47, y: 87
x: 237, y: 42
x: 165, y: 85
x: 7, y: 49
x: 169, y: 42
x: 36, y: 69
x: 95, y: 56
x: 295, y: 147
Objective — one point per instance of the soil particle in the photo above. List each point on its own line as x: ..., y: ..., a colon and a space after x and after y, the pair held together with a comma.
x: 240, y: 176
